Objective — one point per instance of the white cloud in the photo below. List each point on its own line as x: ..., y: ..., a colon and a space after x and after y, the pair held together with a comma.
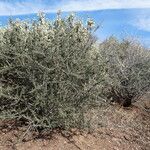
x: 16, y: 8
x: 142, y: 21
x: 88, y: 5
x: 27, y: 7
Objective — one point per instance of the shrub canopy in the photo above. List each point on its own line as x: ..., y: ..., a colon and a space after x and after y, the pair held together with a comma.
x: 127, y: 66
x: 45, y: 69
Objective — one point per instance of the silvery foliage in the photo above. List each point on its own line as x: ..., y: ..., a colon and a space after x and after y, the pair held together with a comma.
x: 46, y: 71
x: 127, y: 66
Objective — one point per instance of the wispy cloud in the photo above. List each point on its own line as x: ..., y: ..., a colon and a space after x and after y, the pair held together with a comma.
x: 89, y: 5
x: 16, y: 7
x: 142, y: 21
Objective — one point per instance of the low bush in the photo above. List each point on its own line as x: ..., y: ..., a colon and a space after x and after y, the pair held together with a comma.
x: 127, y: 66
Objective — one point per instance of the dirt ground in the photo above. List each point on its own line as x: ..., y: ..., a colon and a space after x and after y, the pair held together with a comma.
x: 117, y: 129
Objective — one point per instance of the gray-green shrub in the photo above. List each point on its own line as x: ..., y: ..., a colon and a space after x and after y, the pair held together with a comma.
x: 127, y: 66
x: 46, y: 70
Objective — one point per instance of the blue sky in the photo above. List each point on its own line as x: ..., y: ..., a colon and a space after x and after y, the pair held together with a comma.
x: 121, y: 18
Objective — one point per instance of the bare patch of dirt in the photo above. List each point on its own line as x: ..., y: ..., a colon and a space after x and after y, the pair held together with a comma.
x: 116, y: 129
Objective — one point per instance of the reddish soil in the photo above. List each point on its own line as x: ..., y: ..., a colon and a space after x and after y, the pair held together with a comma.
x: 119, y: 129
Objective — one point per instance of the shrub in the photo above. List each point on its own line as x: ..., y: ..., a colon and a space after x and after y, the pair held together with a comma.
x: 53, y: 72
x: 46, y: 70
x: 127, y: 66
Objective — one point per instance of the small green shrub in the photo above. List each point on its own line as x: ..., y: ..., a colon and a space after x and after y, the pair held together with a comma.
x: 127, y: 66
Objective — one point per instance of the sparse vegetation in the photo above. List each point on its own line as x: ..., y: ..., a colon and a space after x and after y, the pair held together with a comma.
x: 51, y: 73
